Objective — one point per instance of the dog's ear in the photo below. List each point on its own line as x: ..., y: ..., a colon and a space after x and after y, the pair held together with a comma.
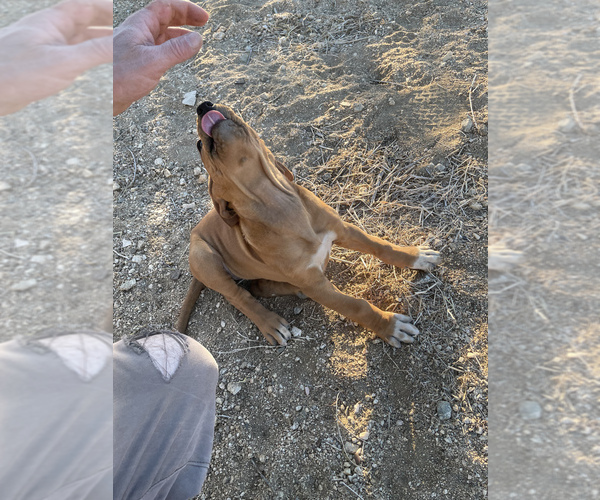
x: 283, y: 169
x: 222, y: 207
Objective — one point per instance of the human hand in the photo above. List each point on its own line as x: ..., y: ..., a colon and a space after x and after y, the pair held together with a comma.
x: 43, y: 53
x: 148, y: 43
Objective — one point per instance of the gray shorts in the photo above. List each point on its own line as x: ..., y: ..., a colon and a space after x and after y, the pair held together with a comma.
x: 59, y: 439
x: 164, y: 416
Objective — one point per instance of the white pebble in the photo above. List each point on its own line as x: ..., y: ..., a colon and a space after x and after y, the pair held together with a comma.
x: 24, y: 285
x: 189, y: 99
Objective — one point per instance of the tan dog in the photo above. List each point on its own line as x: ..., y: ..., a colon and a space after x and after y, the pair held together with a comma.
x: 268, y: 229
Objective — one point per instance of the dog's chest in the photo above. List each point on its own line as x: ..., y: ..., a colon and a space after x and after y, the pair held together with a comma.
x: 320, y: 257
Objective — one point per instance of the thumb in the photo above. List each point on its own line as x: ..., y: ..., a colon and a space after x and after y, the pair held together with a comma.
x: 178, y: 49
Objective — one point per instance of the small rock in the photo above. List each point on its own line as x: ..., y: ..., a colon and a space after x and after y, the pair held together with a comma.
x: 297, y: 310
x: 440, y: 167
x: 189, y: 206
x: 448, y: 56
x: 159, y: 161
x: 219, y: 36
x: 298, y: 408
x: 202, y: 179
x: 234, y: 387
x: 128, y: 285
x: 350, y: 448
x: 5, y: 186
x: 475, y: 205
x: 345, y: 104
x: 116, y: 186
x: 40, y: 259
x: 347, y: 471
x: 19, y: 243
x: 296, y: 332
x: 175, y: 274
x: 467, y: 125
x: 126, y: 243
x: 363, y: 436
x: 358, y: 107
x: 444, y: 410
x: 530, y: 410
x: 137, y: 259
x: 24, y: 285
x: 391, y: 102
x: 189, y: 98
x: 198, y: 171
x: 567, y: 125
x: 167, y: 173
x: 73, y: 161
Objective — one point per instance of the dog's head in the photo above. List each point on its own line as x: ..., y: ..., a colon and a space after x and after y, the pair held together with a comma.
x: 237, y: 160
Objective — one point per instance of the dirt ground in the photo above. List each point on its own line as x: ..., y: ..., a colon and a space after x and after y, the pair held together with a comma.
x: 544, y: 342
x: 55, y: 204
x: 381, y: 109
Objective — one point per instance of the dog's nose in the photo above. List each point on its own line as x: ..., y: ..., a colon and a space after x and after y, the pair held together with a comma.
x: 204, y: 108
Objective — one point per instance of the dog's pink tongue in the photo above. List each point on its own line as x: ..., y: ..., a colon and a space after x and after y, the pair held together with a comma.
x: 209, y: 120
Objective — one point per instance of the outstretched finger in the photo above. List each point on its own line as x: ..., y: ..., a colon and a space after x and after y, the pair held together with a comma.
x: 165, y: 13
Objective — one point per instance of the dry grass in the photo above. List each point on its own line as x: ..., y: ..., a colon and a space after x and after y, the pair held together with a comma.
x: 576, y: 393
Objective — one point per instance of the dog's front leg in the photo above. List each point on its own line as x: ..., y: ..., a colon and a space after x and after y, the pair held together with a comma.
x: 207, y: 267
x: 393, y: 328
x: 420, y: 257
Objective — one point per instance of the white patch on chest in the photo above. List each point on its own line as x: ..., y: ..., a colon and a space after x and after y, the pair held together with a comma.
x: 322, y: 254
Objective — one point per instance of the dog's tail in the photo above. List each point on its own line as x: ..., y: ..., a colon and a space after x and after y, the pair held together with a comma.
x: 188, y: 304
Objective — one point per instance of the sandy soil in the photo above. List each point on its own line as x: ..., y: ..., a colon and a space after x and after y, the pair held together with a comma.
x: 55, y: 204
x: 364, y: 101
x: 544, y: 342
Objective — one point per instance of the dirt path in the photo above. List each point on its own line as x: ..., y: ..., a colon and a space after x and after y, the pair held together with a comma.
x: 365, y: 103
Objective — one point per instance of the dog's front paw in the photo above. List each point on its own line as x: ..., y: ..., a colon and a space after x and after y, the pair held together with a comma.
x: 275, y: 330
x: 401, y: 331
x: 427, y: 259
